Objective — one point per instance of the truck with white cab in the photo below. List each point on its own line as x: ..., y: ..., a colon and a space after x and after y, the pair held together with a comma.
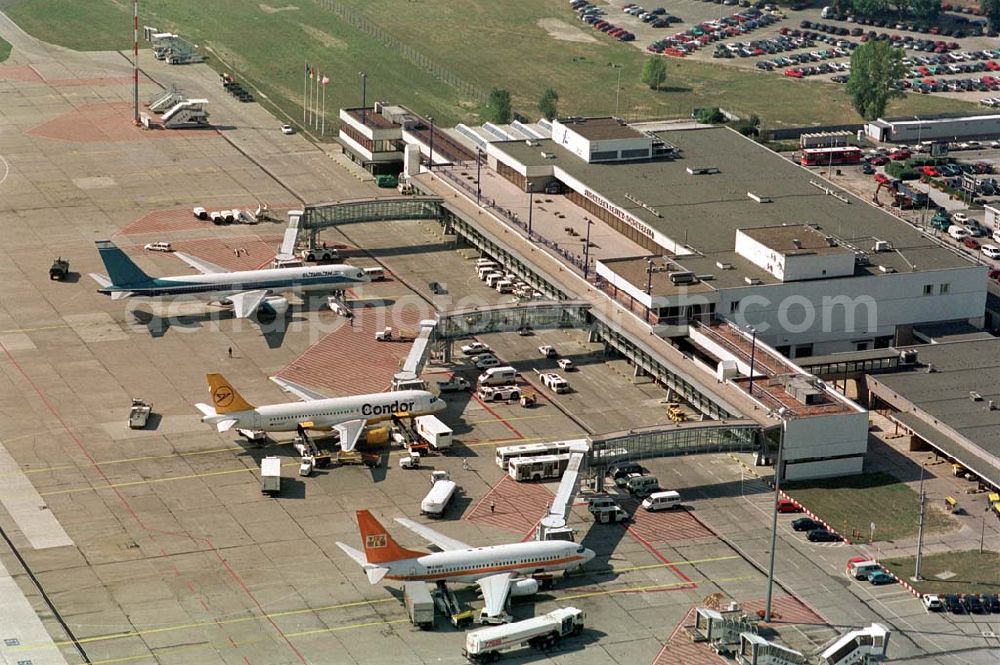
x: 442, y: 490
x: 452, y: 385
x: 540, y: 632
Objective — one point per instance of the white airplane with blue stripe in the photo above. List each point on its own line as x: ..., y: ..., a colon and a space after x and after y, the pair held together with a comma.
x: 245, y: 290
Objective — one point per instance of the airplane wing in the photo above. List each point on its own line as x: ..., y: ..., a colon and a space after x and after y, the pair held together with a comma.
x: 247, y: 302
x: 202, y: 266
x: 350, y: 432
x: 444, y: 542
x: 301, y: 392
x: 495, y: 590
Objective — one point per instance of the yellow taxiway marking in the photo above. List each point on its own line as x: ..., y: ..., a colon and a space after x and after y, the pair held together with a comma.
x: 651, y: 587
x: 632, y: 569
x: 359, y: 603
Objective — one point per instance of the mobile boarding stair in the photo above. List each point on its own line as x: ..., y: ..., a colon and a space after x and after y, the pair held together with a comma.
x: 187, y: 113
x: 862, y: 646
x: 722, y: 629
x: 165, y: 99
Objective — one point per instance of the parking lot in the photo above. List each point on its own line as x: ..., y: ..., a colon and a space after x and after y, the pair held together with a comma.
x: 955, y: 60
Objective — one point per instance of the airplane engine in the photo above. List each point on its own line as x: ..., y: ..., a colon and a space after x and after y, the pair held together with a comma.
x: 528, y: 587
x: 274, y: 306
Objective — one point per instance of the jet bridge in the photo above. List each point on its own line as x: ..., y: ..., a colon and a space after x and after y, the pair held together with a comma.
x: 409, y: 377
x: 553, y: 525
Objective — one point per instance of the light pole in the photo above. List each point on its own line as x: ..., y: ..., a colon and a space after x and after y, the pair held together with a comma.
x: 479, y: 165
x: 531, y: 205
x: 618, y: 86
x: 753, y: 353
x: 649, y: 277
x: 586, y: 251
x: 364, y: 95
x: 430, y: 161
x: 774, y: 514
x: 920, y: 530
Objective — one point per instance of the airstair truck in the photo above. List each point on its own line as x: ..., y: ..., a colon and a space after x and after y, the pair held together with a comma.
x: 541, y: 632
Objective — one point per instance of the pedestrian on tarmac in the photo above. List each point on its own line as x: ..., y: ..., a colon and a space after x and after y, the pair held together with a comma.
x: 493, y: 507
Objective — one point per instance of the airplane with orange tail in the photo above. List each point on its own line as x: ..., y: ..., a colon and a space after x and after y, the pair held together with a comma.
x: 501, y: 571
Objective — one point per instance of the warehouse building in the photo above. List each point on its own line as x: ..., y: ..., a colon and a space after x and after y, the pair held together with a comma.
x: 942, y: 128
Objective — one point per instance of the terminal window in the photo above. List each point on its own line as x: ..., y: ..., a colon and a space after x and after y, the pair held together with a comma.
x: 928, y: 289
x: 943, y: 288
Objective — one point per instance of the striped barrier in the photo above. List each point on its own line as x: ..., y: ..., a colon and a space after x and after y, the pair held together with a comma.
x: 808, y: 513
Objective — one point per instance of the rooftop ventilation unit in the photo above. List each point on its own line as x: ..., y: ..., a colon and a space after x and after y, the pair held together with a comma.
x: 704, y: 278
x: 831, y: 241
x: 908, y: 357
x: 797, y: 243
x: 706, y: 170
x: 531, y: 144
x: 686, y: 277
x: 758, y: 198
x: 886, y: 270
x: 548, y: 155
x: 861, y: 259
x: 975, y: 397
x: 722, y: 265
x: 882, y: 246
x: 752, y: 281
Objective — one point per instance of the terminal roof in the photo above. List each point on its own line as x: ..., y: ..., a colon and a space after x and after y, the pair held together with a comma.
x: 704, y: 211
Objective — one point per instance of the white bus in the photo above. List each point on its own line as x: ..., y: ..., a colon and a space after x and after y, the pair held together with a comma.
x: 506, y: 453
x: 537, y: 468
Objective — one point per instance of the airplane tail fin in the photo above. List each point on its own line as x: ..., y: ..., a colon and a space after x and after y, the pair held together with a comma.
x: 224, y: 396
x: 374, y: 573
x: 379, y: 545
x: 121, y: 269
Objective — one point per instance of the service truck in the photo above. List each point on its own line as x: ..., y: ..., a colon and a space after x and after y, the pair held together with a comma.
x: 554, y: 382
x: 139, y: 414
x: 419, y: 604
x: 454, y: 384
x: 270, y: 475
x: 541, y: 632
x: 436, y: 501
x: 433, y: 431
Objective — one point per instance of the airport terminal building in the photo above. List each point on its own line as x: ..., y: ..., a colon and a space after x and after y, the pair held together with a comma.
x: 734, y: 231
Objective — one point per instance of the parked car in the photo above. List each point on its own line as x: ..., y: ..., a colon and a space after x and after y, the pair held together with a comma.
x: 932, y: 602
x: 954, y: 605
x: 287, y: 129
x: 879, y: 577
x: 960, y: 217
x: 806, y: 524
x: 788, y: 506
x: 823, y: 536
x: 548, y: 351
x: 161, y: 246
x: 974, y: 604
x: 991, y: 251
x: 486, y: 361
x: 475, y: 348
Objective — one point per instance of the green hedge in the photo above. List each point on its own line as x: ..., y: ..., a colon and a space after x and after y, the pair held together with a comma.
x: 929, y: 161
x: 901, y: 170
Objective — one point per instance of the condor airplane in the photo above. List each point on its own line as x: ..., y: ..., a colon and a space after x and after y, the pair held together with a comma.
x: 346, y: 415
x: 245, y: 290
x: 501, y: 571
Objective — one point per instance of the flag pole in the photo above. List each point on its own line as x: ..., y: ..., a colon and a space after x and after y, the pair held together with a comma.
x: 305, y: 87
x: 322, y: 130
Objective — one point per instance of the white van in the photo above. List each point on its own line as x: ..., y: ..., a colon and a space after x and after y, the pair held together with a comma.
x: 598, y: 503
x: 504, y: 286
x: 492, y: 279
x: 827, y: 12
x: 485, y: 263
x: 498, y: 376
x: 996, y: 236
x: 375, y: 274
x: 486, y: 272
x: 642, y: 485
x: 662, y: 501
x: 859, y: 569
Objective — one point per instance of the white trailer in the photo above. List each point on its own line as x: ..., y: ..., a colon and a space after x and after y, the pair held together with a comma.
x: 541, y: 632
x: 433, y: 431
x: 270, y: 475
x: 436, y: 501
